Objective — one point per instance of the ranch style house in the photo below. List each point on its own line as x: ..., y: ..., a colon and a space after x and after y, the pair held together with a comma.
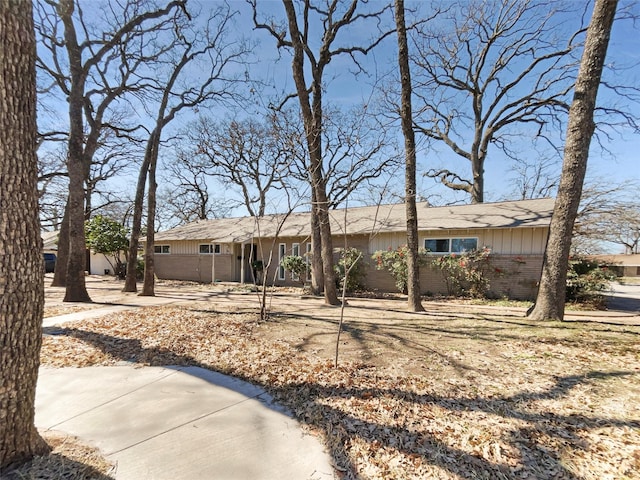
x: 230, y: 249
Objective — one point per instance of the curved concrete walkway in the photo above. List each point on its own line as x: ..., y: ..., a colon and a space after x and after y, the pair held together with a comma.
x: 178, y: 423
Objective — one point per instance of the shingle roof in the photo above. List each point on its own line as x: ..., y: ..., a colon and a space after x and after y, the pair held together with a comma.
x: 50, y: 240
x: 365, y: 220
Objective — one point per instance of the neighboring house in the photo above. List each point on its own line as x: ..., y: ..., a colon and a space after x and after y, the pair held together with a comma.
x: 622, y: 265
x: 97, y: 262
x: 224, y: 249
x: 50, y: 242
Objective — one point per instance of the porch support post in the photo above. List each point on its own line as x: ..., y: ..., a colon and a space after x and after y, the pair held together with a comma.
x: 242, y: 245
x: 213, y: 263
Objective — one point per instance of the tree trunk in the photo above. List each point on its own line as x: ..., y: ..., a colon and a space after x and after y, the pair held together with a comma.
x: 76, y: 290
x: 330, y: 289
x: 130, y: 282
x: 477, y: 187
x: 21, y: 264
x: 550, y: 301
x: 317, y: 275
x: 60, y: 272
x: 413, y: 269
x: 312, y: 118
x: 148, y: 288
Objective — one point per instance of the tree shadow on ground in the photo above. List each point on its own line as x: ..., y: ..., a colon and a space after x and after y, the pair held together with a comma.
x: 319, y: 404
x: 55, y: 466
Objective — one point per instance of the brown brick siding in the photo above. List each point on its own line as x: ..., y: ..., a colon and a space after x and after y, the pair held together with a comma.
x: 517, y: 278
x: 196, y: 268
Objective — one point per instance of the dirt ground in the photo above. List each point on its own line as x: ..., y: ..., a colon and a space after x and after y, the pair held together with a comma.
x: 460, y: 391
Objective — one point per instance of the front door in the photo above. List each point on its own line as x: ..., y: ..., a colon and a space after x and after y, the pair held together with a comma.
x: 251, y: 274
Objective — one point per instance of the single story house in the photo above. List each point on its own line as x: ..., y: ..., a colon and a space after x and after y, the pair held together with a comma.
x: 226, y: 249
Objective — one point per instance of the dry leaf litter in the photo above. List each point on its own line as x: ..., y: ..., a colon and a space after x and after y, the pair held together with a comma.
x: 415, y: 399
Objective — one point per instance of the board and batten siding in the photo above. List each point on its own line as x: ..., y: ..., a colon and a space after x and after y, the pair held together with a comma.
x: 506, y: 241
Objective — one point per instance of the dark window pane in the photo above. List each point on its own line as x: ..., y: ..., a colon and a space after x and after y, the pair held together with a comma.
x: 437, y: 245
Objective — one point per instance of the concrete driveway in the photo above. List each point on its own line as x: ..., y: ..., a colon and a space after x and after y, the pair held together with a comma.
x: 624, y: 298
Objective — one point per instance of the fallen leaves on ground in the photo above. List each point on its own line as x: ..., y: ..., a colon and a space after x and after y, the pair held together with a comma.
x: 69, y: 459
x: 55, y: 310
x: 418, y: 398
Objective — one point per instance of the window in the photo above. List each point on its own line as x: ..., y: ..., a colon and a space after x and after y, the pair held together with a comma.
x: 460, y: 245
x: 451, y: 245
x: 208, y: 248
x: 161, y: 249
x: 439, y: 245
x: 295, y: 251
x: 282, y: 250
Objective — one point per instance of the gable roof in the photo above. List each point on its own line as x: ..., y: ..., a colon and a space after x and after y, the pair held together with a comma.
x: 366, y: 220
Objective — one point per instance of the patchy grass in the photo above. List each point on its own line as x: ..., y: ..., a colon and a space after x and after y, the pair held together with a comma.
x: 447, y: 394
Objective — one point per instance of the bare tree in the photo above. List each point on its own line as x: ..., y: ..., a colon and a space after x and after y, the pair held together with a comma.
x: 21, y: 268
x: 187, y: 195
x: 406, y: 119
x: 485, y: 71
x: 200, y: 69
x: 92, y: 69
x: 356, y: 151
x: 609, y: 213
x: 534, y: 177
x: 243, y: 154
x: 52, y: 187
x: 115, y: 156
x: 550, y: 301
x: 296, y: 36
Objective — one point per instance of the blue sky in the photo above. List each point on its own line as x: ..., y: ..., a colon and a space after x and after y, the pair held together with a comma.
x: 344, y: 89
x: 618, y: 161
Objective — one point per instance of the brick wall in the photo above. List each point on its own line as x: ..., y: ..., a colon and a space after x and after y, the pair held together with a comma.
x: 196, y: 268
x: 517, y: 277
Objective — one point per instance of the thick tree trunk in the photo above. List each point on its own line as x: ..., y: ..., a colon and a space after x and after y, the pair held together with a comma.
x: 413, y: 269
x: 550, y: 301
x: 60, y: 272
x: 477, y: 187
x: 312, y: 118
x: 21, y: 264
x: 330, y: 288
x: 76, y: 290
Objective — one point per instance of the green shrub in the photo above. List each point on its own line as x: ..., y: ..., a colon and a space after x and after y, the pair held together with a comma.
x: 351, y: 257
x: 587, y: 280
x: 467, y: 273
x: 296, y: 265
x: 395, y: 262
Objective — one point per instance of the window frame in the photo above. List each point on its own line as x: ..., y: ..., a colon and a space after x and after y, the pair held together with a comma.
x: 450, y: 242
x: 162, y: 249
x: 212, y: 248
